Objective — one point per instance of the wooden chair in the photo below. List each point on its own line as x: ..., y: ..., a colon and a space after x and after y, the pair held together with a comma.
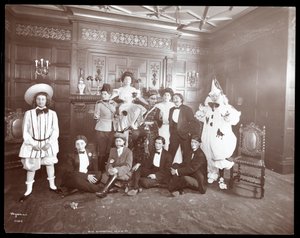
x: 250, y: 161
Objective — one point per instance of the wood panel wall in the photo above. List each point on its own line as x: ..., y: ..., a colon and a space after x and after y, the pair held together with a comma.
x: 252, y: 64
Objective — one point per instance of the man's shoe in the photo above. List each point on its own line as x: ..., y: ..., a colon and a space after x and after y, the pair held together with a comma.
x: 101, y: 194
x: 24, y: 198
x: 175, y: 193
x: 133, y: 192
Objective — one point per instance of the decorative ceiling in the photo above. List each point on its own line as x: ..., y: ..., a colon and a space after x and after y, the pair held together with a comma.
x: 184, y: 19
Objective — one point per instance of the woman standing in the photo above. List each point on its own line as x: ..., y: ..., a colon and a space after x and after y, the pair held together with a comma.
x: 165, y: 107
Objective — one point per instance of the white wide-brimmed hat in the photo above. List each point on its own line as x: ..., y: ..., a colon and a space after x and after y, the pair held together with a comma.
x: 37, y: 88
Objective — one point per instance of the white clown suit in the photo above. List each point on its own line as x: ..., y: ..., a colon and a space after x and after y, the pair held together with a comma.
x: 218, y: 139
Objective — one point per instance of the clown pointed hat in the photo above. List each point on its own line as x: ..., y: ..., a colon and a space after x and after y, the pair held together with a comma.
x: 215, y: 87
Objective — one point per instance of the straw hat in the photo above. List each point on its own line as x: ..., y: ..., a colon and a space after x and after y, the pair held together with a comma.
x: 37, y: 88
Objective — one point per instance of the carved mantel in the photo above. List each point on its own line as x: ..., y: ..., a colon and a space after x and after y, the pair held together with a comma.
x: 77, y: 98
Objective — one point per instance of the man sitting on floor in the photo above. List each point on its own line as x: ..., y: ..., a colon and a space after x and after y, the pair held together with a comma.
x: 118, y: 167
x: 192, y: 173
x: 80, y: 173
x: 154, y: 171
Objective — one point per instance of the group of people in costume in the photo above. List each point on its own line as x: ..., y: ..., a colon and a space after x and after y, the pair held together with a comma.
x: 141, y: 143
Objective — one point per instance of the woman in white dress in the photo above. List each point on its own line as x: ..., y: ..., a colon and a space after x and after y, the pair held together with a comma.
x: 164, y: 107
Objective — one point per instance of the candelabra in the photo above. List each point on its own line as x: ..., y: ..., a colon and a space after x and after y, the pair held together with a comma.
x: 192, y: 77
x: 41, y: 67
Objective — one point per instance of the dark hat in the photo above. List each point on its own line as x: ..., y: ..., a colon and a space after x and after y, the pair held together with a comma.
x: 127, y: 73
x: 81, y: 137
x: 120, y: 135
x: 106, y: 88
x: 197, y: 138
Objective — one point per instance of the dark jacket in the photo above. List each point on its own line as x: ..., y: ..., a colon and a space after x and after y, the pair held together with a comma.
x: 73, y: 162
x: 196, y: 167
x: 187, y: 123
x: 163, y: 173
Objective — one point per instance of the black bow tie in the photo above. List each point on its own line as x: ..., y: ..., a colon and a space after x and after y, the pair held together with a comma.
x: 81, y: 152
x: 157, y: 152
x: 40, y: 111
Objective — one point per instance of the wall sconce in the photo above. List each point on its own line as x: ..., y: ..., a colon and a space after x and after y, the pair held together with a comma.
x: 41, y: 67
x: 192, y: 77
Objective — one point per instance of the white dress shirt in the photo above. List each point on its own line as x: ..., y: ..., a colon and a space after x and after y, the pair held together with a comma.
x: 175, y: 115
x: 83, y: 163
x: 156, y: 159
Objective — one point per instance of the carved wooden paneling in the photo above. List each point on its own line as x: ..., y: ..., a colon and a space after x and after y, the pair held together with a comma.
x: 63, y: 122
x: 23, y: 71
x: 113, y: 61
x: 191, y: 96
x: 62, y: 73
x: 63, y: 56
x: 45, y: 53
x: 20, y: 88
x: 82, y: 120
x: 62, y: 106
x: 155, y: 74
x: 61, y: 91
x: 23, y: 53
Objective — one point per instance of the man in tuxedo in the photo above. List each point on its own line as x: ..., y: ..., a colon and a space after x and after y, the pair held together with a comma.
x: 192, y: 173
x: 80, y: 173
x: 154, y: 171
x: 183, y: 125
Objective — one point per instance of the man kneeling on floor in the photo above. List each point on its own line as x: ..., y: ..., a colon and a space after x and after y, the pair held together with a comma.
x: 80, y: 174
x: 192, y: 173
x: 118, y: 167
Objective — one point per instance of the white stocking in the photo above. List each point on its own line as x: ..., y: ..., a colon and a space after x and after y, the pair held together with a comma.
x: 51, y: 177
x: 29, y: 182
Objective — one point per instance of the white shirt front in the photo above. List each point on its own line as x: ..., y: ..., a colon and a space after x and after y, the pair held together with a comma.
x: 120, y: 151
x: 83, y: 162
x: 156, y: 159
x: 175, y: 115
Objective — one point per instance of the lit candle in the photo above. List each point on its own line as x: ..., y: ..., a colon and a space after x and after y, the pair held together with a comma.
x: 36, y: 63
x: 42, y: 62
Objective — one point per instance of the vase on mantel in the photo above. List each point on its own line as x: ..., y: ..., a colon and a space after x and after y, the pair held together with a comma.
x: 81, y: 87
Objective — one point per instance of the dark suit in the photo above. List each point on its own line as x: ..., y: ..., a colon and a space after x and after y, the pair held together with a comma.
x: 181, y: 131
x: 72, y: 178
x: 192, y: 173
x: 147, y: 167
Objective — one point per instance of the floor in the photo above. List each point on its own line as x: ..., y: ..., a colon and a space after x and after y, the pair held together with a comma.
x: 152, y: 211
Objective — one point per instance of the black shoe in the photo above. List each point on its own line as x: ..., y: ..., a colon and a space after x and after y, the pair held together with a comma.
x: 57, y: 191
x: 101, y: 194
x: 24, y: 198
